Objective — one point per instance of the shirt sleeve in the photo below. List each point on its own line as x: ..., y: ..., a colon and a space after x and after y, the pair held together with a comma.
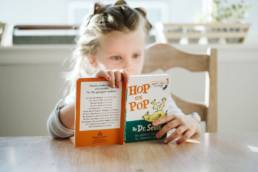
x: 55, y: 127
x: 172, y: 107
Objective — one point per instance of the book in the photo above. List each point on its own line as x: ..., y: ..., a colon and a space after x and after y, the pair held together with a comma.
x: 106, y: 115
x: 99, y: 113
x: 146, y: 101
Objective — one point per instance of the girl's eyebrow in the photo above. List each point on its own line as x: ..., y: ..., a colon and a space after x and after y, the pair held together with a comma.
x: 138, y: 52
x: 111, y: 52
x: 114, y: 54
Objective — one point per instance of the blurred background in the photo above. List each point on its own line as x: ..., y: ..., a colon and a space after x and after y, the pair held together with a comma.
x: 38, y: 36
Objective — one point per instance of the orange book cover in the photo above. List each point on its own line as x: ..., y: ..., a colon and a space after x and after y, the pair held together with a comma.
x: 100, y: 113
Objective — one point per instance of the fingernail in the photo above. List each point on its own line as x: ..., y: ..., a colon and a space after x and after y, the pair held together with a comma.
x: 118, y: 84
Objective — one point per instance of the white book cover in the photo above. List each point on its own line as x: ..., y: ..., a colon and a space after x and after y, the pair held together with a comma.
x: 146, y: 101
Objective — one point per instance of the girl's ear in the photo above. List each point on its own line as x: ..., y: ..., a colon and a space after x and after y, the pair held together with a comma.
x: 98, y: 8
x: 93, y: 60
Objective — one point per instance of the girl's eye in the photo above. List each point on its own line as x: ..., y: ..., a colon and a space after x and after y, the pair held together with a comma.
x: 135, y: 56
x: 116, y: 57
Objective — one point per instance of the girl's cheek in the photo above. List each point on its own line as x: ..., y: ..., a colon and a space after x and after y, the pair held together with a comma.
x: 115, y: 66
x: 136, y: 69
x: 111, y: 64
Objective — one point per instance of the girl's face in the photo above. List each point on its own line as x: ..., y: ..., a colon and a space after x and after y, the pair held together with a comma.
x: 121, y: 50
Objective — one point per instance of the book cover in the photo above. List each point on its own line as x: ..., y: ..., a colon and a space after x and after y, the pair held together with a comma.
x: 146, y: 101
x: 106, y: 115
x: 99, y: 116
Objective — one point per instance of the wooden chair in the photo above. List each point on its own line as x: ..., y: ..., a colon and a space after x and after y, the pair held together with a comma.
x: 163, y: 56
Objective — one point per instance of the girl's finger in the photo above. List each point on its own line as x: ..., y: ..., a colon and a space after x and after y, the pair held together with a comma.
x: 176, y: 134
x: 187, y: 135
x: 125, y: 76
x: 112, y: 79
x: 118, y: 78
x: 171, y: 137
x: 103, y: 74
x: 163, y: 120
x: 180, y: 130
x: 172, y: 124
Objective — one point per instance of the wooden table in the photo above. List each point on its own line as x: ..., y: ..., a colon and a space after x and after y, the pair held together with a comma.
x: 216, y: 152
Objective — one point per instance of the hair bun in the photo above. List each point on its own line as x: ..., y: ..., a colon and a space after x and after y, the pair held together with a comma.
x: 120, y: 2
x: 98, y: 8
x: 141, y: 10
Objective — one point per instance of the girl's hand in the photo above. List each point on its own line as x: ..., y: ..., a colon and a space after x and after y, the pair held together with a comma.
x: 185, y: 127
x: 115, y: 77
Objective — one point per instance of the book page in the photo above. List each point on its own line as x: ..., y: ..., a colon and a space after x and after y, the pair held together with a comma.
x: 100, y: 106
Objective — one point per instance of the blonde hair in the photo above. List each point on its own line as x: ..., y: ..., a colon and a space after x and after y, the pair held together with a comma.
x: 104, y: 19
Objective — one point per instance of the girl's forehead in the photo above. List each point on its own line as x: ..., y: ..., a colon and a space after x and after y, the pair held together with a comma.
x: 123, y: 41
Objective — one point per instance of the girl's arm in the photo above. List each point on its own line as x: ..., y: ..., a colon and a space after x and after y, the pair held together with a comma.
x: 66, y: 116
x: 60, y: 122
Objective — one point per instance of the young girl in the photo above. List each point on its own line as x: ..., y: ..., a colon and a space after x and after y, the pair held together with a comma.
x: 111, y: 45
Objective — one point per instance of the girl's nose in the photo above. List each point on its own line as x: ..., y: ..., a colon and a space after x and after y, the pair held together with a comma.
x: 128, y: 65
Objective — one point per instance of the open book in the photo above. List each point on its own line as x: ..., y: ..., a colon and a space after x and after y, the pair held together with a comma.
x: 106, y: 115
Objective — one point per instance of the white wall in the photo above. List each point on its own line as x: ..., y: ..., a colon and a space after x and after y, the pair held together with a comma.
x: 30, y: 84
x: 238, y: 90
x: 35, y: 11
x: 27, y: 94
x: 237, y: 87
x: 57, y: 12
